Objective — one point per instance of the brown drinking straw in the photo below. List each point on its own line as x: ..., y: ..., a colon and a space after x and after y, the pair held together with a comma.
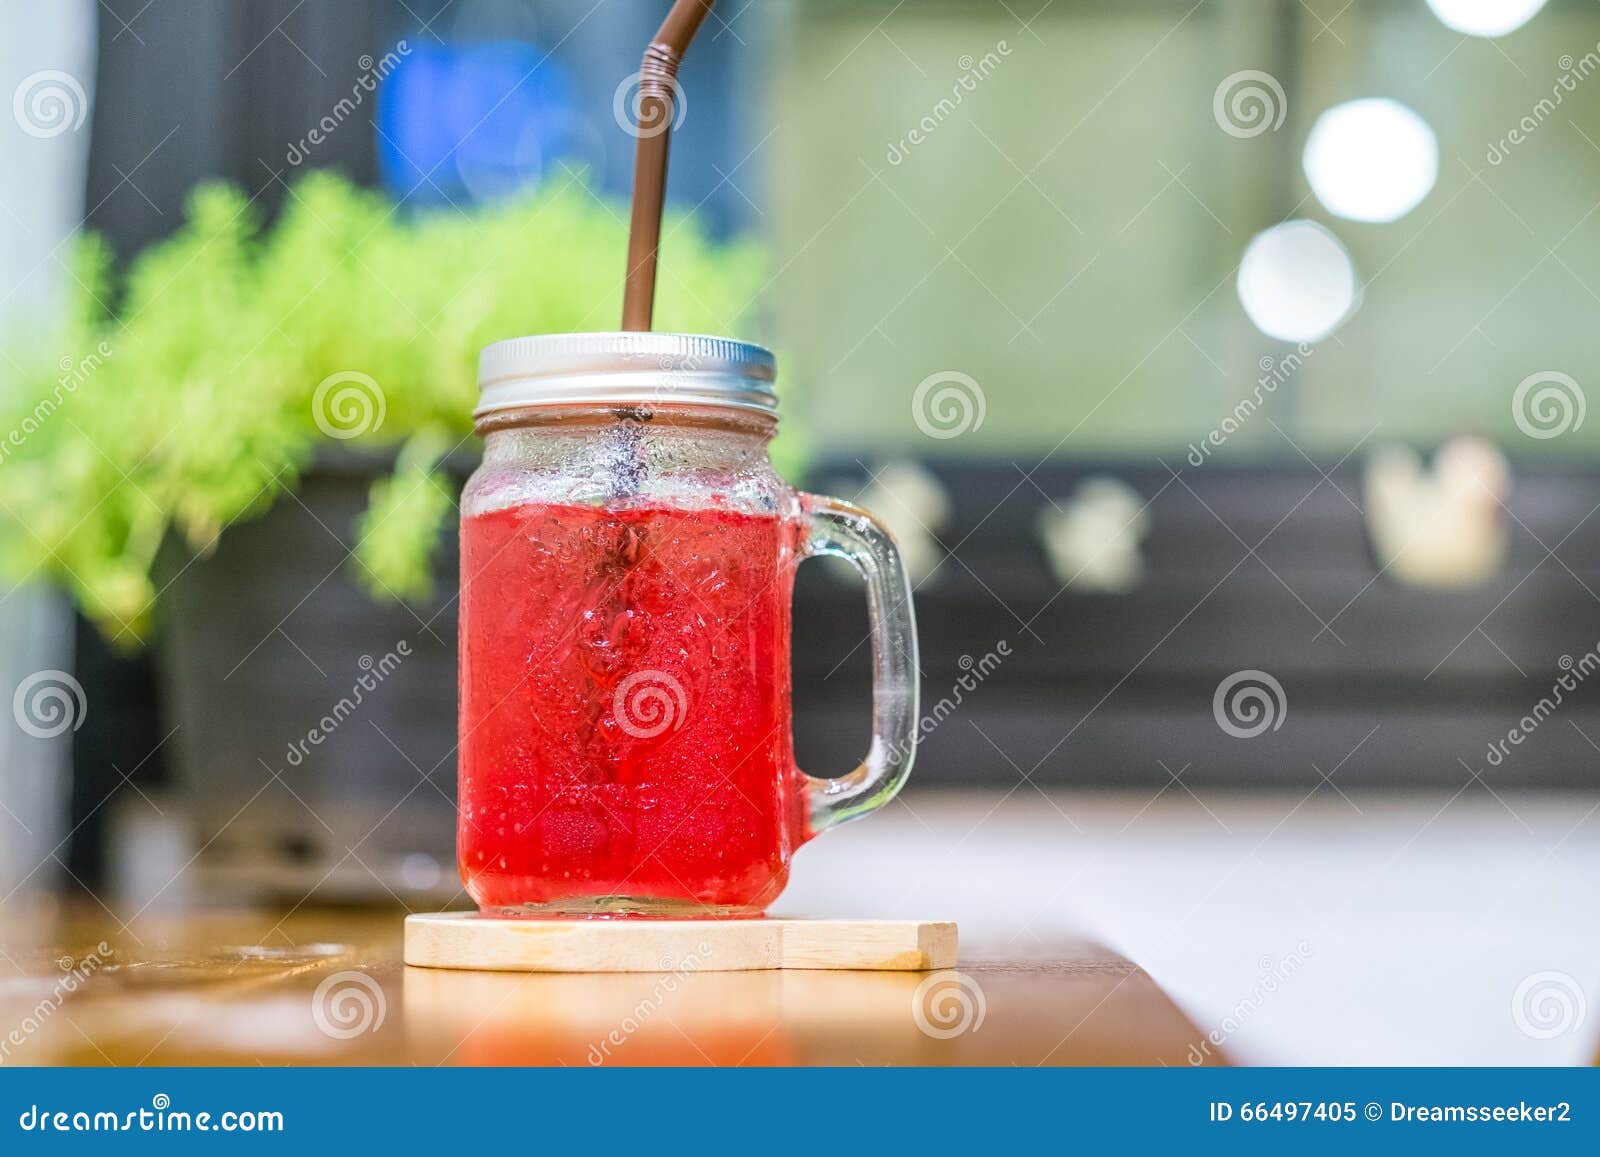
x: 657, y: 100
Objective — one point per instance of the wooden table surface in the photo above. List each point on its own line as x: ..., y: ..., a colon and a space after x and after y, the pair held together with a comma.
x: 328, y: 987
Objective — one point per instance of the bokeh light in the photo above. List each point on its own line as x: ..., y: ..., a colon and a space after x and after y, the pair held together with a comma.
x: 1371, y: 160
x: 1485, y: 17
x: 1297, y: 282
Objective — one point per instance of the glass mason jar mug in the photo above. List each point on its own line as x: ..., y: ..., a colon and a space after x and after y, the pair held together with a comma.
x: 627, y: 561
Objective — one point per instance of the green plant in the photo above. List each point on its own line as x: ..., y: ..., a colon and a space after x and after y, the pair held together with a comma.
x: 193, y: 403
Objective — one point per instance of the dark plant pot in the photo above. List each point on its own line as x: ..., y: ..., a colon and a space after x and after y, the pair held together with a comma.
x: 315, y: 742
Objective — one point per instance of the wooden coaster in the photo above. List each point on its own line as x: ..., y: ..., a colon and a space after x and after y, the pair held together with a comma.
x: 468, y: 940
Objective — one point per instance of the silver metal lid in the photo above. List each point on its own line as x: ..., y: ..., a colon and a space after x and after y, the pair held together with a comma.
x: 625, y: 369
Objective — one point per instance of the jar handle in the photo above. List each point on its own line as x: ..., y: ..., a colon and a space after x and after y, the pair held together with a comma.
x: 845, y: 531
